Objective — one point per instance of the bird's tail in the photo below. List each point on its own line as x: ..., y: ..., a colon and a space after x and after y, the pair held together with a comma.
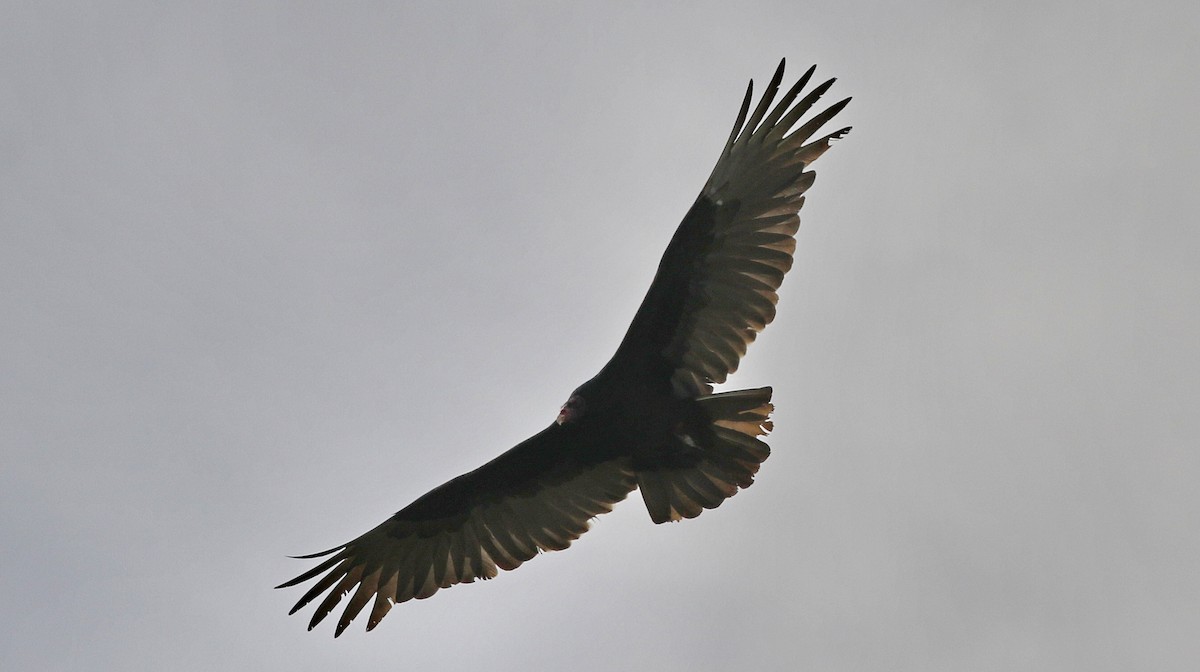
x: 709, y: 463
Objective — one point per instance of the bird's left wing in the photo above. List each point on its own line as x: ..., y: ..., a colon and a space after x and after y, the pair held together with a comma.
x: 716, y: 284
x: 538, y: 496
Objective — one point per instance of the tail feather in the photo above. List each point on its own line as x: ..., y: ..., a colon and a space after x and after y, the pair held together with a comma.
x: 710, y: 463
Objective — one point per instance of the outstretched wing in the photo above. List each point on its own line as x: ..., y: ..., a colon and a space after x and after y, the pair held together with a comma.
x: 539, y: 496
x: 716, y: 284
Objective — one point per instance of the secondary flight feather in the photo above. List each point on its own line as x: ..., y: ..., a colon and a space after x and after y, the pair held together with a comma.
x: 649, y: 420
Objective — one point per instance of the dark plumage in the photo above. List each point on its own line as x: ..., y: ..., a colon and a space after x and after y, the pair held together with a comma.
x: 649, y: 420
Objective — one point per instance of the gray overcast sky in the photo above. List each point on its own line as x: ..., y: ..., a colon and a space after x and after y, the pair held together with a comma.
x: 269, y: 271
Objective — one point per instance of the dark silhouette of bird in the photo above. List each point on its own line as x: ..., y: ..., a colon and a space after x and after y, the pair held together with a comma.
x: 649, y: 419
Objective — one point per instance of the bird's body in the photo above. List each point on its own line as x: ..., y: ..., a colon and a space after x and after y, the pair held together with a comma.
x: 648, y: 420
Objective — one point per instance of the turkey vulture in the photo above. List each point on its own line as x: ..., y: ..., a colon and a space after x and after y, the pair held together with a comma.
x: 649, y: 419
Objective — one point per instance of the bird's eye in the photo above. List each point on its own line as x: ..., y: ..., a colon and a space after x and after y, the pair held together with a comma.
x: 571, y: 410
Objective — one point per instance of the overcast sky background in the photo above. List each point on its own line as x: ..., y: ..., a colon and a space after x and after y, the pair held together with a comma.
x: 269, y: 271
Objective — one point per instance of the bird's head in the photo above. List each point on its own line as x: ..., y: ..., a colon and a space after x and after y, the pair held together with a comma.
x: 570, y: 411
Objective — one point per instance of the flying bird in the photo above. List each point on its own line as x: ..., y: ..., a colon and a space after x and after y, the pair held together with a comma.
x: 649, y: 420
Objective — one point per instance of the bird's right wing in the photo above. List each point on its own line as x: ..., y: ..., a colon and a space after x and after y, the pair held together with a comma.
x: 539, y: 496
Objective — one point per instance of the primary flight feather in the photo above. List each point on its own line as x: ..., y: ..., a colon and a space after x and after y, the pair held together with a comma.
x: 649, y: 420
